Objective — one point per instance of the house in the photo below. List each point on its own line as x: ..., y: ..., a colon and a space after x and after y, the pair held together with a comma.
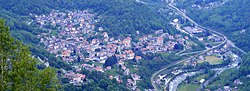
x: 126, y: 72
x: 124, y: 67
x: 137, y: 58
x: 66, y: 53
x: 69, y: 75
x: 118, y: 79
x: 176, y: 20
x: 108, y: 68
x: 161, y: 76
x: 105, y: 35
x: 160, y: 40
x: 176, y: 72
x: 135, y: 77
x: 99, y: 69
x: 159, y: 32
x: 121, y: 62
x: 127, y: 42
x: 111, y: 77
x: 131, y: 55
x: 237, y: 82
x: 227, y: 88
x: 78, y: 79
x: 202, y: 81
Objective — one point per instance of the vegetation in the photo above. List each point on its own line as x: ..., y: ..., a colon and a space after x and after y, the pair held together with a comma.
x: 188, y: 87
x: 213, y: 60
x: 230, y: 18
x: 110, y: 61
x: 18, y: 68
x: 151, y: 64
x: 118, y: 17
x: 228, y: 77
x: 97, y: 81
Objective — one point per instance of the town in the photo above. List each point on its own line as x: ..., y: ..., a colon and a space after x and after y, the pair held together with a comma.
x: 217, y: 57
x: 72, y: 36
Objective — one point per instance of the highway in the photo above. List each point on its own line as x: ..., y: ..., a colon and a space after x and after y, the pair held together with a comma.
x: 175, y: 9
x: 195, y: 23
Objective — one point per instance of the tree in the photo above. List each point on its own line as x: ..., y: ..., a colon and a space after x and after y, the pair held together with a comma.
x: 112, y: 88
x: 103, y: 84
x: 110, y: 61
x: 18, y: 69
x: 178, y: 46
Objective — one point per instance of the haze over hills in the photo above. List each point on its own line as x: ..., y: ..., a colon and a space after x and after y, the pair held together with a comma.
x: 151, y: 45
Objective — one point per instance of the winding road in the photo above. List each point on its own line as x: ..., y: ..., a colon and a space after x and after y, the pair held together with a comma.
x: 175, y: 9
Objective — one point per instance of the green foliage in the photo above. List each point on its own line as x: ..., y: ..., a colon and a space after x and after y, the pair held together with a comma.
x: 27, y: 34
x: 228, y: 76
x: 229, y: 18
x: 245, y: 68
x: 178, y: 46
x: 118, y: 17
x: 126, y: 17
x: 97, y: 81
x: 110, y: 61
x: 151, y: 64
x: 18, y: 68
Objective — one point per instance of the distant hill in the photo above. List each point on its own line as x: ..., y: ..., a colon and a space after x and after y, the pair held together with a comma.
x: 118, y: 17
x: 230, y: 17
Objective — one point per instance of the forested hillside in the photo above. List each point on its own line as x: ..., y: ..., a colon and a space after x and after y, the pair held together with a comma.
x: 229, y: 77
x: 19, y: 69
x: 125, y: 16
x: 118, y: 17
x: 230, y: 17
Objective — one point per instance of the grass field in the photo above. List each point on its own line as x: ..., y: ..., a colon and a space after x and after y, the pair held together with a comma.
x: 213, y: 60
x: 188, y: 87
x: 198, y: 78
x: 111, y: 72
x: 223, y: 77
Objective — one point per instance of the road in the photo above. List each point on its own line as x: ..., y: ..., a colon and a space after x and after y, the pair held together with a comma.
x: 178, y: 62
x: 198, y: 25
x: 174, y: 84
x: 235, y: 64
x: 202, y: 52
x: 171, y: 6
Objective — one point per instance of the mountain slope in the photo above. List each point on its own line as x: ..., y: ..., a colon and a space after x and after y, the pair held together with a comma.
x: 230, y: 17
x: 118, y: 17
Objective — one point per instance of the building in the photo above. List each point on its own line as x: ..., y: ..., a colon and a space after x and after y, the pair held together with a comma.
x: 127, y: 42
x: 160, y: 40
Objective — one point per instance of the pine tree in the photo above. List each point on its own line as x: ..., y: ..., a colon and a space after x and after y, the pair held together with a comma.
x: 18, y: 71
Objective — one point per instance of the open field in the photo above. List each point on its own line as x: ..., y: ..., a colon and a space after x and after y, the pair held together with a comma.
x: 198, y: 78
x: 188, y: 87
x: 213, y: 60
x: 223, y: 77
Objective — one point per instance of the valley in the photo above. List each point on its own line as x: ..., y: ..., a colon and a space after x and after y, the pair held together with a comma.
x: 128, y: 45
x: 171, y: 82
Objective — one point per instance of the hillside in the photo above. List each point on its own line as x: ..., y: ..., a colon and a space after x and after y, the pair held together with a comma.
x: 125, y: 16
x: 122, y: 19
x: 118, y: 17
x: 111, y: 45
x: 230, y: 17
